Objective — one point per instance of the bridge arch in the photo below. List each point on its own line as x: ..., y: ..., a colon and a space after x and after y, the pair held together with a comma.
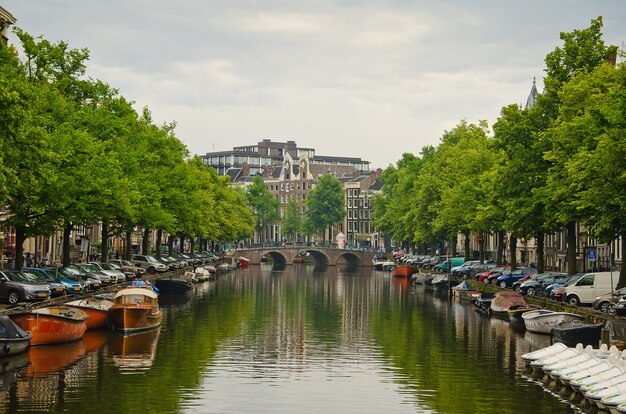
x: 319, y: 257
x: 350, y: 258
x: 278, y: 258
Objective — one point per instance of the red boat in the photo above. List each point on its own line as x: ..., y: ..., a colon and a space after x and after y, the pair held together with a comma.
x: 243, y: 262
x: 53, y: 324
x: 404, y: 270
x: 97, y: 309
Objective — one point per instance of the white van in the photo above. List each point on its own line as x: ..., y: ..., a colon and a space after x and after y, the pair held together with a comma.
x: 590, y: 286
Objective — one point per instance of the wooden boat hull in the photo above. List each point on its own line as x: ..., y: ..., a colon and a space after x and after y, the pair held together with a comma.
x: 404, y: 271
x: 542, y: 321
x: 51, y: 329
x: 97, y: 309
x: 573, y: 333
x: 129, y: 319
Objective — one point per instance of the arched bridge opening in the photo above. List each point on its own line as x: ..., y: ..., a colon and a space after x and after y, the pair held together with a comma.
x: 349, y: 259
x: 319, y: 257
x: 277, y: 258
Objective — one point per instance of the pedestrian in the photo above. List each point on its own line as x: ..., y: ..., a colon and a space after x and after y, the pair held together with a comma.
x: 28, y: 260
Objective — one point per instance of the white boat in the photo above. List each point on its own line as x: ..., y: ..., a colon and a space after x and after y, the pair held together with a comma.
x: 543, y: 320
x: 419, y: 277
x: 544, y: 352
x: 566, y: 354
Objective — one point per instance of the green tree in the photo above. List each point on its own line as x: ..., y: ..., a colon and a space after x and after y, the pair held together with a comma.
x: 590, y: 135
x: 326, y: 205
x: 262, y: 204
x: 582, y: 51
x: 292, y: 220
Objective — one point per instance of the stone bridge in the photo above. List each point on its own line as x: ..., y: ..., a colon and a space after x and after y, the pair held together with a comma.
x: 321, y: 255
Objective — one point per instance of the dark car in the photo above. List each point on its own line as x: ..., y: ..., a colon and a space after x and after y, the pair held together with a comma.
x: 556, y: 291
x: 127, y: 266
x: 466, y: 272
x: 91, y: 270
x: 539, y: 282
x: 92, y: 282
x: 56, y: 287
x: 606, y: 303
x: 507, y: 280
x: 17, y: 286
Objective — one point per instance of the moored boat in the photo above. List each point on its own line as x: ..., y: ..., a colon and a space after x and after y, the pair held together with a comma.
x: 13, y: 339
x: 543, y: 320
x: 97, y: 309
x: 135, y: 309
x: 404, y: 270
x: 504, y: 300
x: 577, y: 331
x: 172, y: 286
x: 53, y: 324
x: 516, y: 311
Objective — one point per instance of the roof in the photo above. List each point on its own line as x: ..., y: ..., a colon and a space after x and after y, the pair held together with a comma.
x: 137, y: 291
x: 234, y: 173
x: 532, y: 96
x: 276, y: 172
x: 377, y: 185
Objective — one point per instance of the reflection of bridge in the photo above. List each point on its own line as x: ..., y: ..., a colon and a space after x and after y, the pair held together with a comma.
x: 321, y: 255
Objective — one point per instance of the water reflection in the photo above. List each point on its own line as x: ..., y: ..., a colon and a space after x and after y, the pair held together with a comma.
x: 298, y: 338
x: 134, y: 353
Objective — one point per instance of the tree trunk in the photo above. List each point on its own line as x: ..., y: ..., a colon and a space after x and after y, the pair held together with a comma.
x: 170, y: 245
x: 466, y: 245
x: 20, y: 237
x: 330, y: 235
x: 65, y: 255
x: 571, y: 248
x: 481, y: 246
x: 158, y: 242
x: 541, y: 238
x: 500, y: 253
x: 145, y: 240
x: 454, y: 248
x: 513, y: 251
x: 191, y: 245
x: 622, y: 273
x: 127, y: 247
x: 104, y: 240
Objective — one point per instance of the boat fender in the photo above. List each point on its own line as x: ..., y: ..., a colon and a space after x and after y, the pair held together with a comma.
x: 6, y: 348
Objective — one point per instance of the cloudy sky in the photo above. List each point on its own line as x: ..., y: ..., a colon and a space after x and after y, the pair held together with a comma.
x: 368, y: 79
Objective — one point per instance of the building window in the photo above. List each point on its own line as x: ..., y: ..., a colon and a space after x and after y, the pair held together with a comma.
x: 350, y: 203
x: 349, y: 226
x: 349, y: 193
x: 349, y: 214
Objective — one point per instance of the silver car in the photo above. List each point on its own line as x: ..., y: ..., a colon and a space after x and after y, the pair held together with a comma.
x: 113, y: 272
x: 148, y: 262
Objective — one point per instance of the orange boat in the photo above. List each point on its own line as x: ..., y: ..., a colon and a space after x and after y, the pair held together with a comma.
x: 135, y: 309
x: 53, y: 324
x: 404, y: 270
x: 97, y: 309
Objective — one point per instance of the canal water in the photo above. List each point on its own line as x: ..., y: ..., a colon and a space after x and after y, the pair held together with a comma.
x: 301, y: 339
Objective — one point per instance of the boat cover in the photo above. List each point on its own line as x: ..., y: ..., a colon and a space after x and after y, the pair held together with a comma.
x: 9, y: 330
x: 507, y: 299
x: 463, y: 286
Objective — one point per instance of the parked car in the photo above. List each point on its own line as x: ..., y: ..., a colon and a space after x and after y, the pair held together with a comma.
x: 466, y: 272
x: 128, y: 267
x: 482, y: 276
x: 606, y: 303
x: 92, y: 282
x: 507, y: 280
x: 105, y: 280
x: 148, y: 262
x: 116, y: 275
x: 447, y: 264
x: 556, y: 291
x: 464, y: 265
x: 73, y: 285
x: 56, y: 287
x: 17, y: 286
x: 590, y: 286
x: 539, y: 282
